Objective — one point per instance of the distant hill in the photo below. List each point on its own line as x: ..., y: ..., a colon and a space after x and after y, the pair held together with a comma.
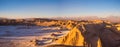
x: 109, y: 18
x: 2, y: 18
x: 113, y: 18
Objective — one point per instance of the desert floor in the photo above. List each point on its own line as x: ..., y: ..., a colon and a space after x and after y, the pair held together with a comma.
x: 29, y: 36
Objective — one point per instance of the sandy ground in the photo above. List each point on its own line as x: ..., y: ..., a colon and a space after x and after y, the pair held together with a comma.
x: 29, y: 36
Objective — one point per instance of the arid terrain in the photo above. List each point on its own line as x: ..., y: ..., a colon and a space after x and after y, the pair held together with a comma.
x: 59, y: 23
x: 38, y: 32
x: 23, y: 36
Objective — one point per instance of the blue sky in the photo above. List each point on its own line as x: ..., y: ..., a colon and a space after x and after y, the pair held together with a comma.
x: 54, y: 8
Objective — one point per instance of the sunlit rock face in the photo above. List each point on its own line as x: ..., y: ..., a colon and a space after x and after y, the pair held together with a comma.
x: 95, y: 33
x: 73, y: 38
x: 118, y: 27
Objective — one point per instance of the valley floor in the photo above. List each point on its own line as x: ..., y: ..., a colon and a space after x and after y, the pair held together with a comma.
x: 29, y: 36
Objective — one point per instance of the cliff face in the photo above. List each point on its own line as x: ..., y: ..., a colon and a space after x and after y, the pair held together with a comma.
x: 73, y: 38
x: 92, y: 34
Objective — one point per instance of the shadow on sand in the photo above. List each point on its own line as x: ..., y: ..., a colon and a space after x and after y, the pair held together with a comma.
x: 60, y: 45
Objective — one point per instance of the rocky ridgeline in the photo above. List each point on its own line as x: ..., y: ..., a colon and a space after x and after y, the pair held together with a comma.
x: 94, y: 33
x: 28, y: 22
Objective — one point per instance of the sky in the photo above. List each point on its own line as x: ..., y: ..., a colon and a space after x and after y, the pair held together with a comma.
x: 57, y: 8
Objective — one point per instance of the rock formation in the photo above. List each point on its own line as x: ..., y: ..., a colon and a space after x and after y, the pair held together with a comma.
x: 92, y: 34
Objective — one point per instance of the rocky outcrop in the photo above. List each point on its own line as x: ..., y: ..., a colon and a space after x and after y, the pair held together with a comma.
x: 92, y: 34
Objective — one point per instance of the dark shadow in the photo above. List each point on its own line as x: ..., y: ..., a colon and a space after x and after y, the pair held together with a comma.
x: 60, y: 45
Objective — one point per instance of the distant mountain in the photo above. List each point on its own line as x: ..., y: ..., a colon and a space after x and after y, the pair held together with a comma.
x: 77, y: 18
x: 2, y: 18
x: 109, y: 18
x: 113, y: 18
